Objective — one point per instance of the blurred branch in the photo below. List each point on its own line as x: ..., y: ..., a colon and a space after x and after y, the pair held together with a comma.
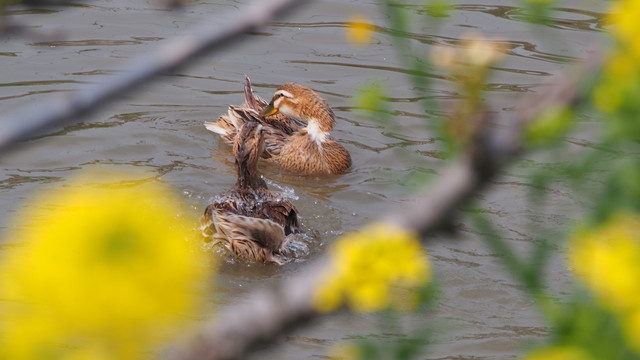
x: 492, y: 149
x: 172, y: 55
x: 267, y: 313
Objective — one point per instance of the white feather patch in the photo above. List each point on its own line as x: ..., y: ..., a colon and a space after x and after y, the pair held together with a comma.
x: 318, y: 136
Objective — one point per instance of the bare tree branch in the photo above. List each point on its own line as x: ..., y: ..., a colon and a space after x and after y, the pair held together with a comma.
x: 175, y: 53
x: 268, y: 313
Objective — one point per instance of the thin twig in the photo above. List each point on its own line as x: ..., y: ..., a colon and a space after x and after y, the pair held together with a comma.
x: 172, y: 55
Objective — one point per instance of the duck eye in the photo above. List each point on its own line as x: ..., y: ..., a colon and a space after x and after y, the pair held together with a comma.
x: 284, y: 93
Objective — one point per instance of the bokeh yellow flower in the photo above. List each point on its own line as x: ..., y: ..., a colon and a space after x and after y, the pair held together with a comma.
x: 98, y: 272
x: 624, y: 18
x: 475, y: 52
x: 621, y: 72
x: 558, y: 353
x: 607, y: 260
x: 359, y: 30
x: 370, y: 269
x: 345, y: 351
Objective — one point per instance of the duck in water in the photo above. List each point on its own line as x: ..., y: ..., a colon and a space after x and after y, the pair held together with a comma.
x: 249, y: 220
x: 297, y: 124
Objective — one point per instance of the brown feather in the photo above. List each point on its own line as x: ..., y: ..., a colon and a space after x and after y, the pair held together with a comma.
x: 287, y: 141
x: 250, y: 220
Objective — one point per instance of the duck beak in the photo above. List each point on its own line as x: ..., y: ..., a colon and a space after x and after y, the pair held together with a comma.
x: 269, y: 110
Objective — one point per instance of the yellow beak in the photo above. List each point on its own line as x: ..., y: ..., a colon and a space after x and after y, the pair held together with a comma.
x: 269, y: 110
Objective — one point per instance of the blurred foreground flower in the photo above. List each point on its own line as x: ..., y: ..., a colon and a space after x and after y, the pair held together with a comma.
x: 618, y: 90
x: 475, y: 51
x: 370, y: 268
x: 98, y: 272
x: 469, y: 64
x: 607, y: 260
x: 359, y: 30
x: 558, y: 353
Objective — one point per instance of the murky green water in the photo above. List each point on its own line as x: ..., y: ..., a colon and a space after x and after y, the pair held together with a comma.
x: 158, y: 132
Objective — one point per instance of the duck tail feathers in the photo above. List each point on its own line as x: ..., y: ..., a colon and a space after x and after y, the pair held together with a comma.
x: 226, y: 127
x: 251, y: 100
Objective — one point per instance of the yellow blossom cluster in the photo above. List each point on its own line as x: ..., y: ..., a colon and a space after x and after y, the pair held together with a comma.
x: 98, y: 271
x: 558, y: 353
x: 607, y: 260
x: 621, y: 73
x: 374, y: 269
x: 359, y: 30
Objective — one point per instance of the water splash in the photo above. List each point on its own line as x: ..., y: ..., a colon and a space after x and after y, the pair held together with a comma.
x: 297, y: 246
x: 287, y: 192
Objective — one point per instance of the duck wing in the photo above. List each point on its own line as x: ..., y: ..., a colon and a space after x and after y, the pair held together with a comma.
x: 283, y: 212
x: 264, y: 232
x: 250, y: 238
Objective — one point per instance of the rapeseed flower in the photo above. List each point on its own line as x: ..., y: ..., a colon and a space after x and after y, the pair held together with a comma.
x: 98, y: 272
x: 607, y: 260
x: 621, y: 72
x: 558, y: 353
x: 624, y: 18
x: 359, y: 30
x: 374, y: 269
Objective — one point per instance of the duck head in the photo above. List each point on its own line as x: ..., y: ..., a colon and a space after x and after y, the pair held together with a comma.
x: 301, y: 102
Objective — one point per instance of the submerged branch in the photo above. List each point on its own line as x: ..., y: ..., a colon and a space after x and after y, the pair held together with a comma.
x: 172, y: 55
x: 267, y: 313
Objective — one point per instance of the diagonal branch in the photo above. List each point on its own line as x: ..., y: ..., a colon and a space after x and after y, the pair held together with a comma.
x: 174, y: 54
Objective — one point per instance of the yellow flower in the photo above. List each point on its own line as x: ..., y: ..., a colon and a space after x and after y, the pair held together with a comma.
x: 558, y: 353
x: 100, y: 270
x: 624, y: 18
x: 607, y: 260
x: 359, y: 30
x: 368, y: 268
x: 344, y: 351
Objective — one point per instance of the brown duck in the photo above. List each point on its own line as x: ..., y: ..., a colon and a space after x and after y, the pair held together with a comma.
x: 249, y: 220
x: 297, y: 125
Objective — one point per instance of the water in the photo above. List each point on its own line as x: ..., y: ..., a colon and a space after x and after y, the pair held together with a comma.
x: 159, y: 133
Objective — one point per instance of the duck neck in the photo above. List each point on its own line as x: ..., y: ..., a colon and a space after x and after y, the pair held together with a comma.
x: 249, y: 177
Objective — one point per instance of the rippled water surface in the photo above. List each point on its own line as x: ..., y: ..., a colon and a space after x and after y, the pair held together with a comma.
x: 158, y: 132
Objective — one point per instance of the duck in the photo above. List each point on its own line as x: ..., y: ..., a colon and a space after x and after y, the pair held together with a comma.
x: 249, y: 220
x: 297, y: 124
